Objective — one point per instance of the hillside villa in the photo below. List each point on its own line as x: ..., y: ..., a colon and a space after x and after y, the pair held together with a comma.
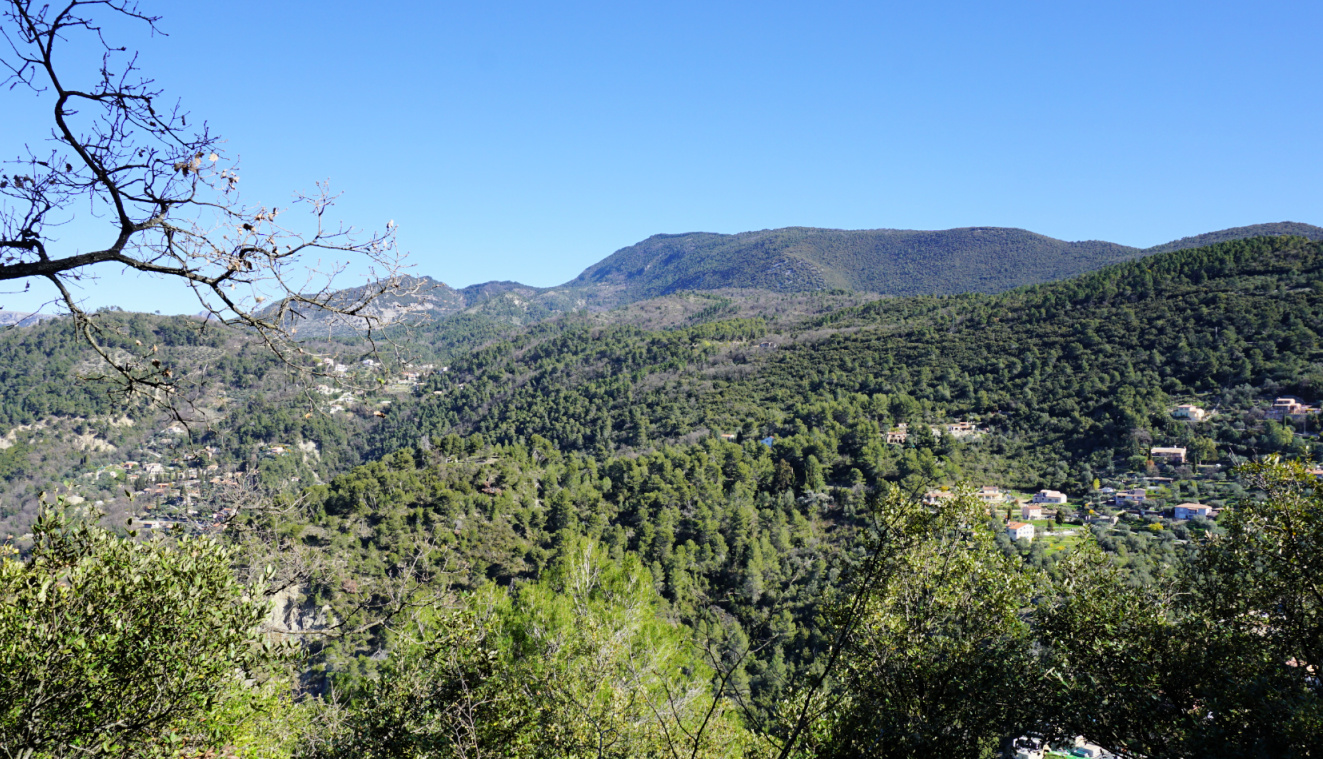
x: 1192, y: 510
x: 1131, y: 497
x: 901, y: 433
x: 1189, y: 412
x: 1018, y: 530
x: 1168, y: 455
x: 1289, y: 407
x: 1033, y: 511
x: 1049, y: 496
x: 935, y: 497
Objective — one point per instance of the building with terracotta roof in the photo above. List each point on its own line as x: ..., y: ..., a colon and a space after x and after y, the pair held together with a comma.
x: 1018, y: 530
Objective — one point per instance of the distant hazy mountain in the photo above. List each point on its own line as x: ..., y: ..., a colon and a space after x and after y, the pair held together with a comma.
x: 423, y: 300
x: 889, y: 261
x: 21, y: 318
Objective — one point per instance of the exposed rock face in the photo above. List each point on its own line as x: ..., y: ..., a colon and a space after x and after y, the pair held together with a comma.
x: 294, y: 615
x: 90, y: 442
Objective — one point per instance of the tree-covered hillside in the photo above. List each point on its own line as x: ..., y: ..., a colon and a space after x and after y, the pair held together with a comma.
x: 1068, y: 378
x: 426, y: 312
x: 47, y: 370
x: 1068, y: 381
x: 1308, y: 231
x: 894, y: 262
x: 888, y: 261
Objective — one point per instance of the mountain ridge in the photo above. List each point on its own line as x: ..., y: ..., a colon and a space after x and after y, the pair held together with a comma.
x: 886, y: 261
x: 893, y: 262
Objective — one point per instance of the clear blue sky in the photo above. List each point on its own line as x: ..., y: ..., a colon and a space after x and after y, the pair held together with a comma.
x: 515, y: 140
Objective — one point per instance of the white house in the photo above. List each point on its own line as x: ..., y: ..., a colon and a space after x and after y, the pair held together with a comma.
x: 1190, y: 412
x: 1049, y: 496
x: 1192, y: 510
x: 1017, y: 530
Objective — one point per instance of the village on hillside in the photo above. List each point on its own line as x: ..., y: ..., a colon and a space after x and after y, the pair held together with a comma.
x: 1165, y: 495
x: 165, y: 481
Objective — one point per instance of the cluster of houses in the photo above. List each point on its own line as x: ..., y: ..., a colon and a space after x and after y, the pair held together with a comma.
x: 901, y: 434
x: 994, y: 497
x: 1045, y: 504
x: 188, y: 523
x: 1036, y: 508
x: 410, y: 377
x: 411, y: 374
x: 1287, y: 407
x: 171, y: 484
x: 1136, y: 502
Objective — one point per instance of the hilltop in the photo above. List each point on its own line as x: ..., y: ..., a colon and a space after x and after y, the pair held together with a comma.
x: 886, y: 261
x: 889, y: 261
x: 893, y: 262
x: 1307, y: 231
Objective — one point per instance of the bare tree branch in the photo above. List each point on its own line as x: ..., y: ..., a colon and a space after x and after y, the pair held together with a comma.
x: 165, y: 196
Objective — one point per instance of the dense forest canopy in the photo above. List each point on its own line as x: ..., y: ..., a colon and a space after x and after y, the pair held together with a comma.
x: 1070, y: 379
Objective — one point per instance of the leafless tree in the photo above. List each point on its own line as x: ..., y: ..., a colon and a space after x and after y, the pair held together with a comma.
x: 164, y: 193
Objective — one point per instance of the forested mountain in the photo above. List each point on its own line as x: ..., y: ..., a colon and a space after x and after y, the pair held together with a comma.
x: 795, y: 259
x: 693, y: 510
x: 1070, y: 380
x: 1071, y: 377
x: 578, y: 431
x: 888, y: 261
x: 1308, y: 231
